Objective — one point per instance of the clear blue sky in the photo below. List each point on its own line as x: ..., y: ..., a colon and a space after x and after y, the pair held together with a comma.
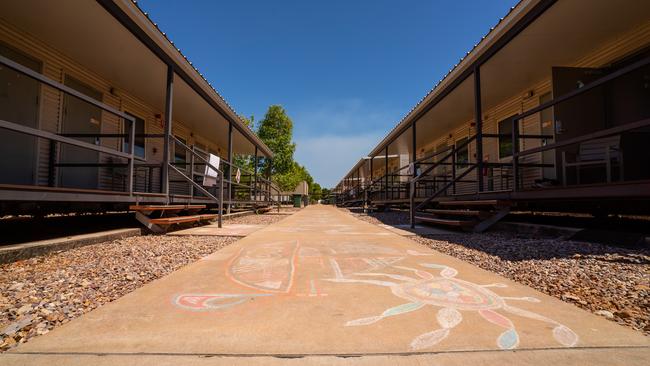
x: 346, y: 71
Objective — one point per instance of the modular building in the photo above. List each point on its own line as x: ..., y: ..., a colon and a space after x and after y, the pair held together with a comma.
x: 100, y: 110
x: 550, y: 111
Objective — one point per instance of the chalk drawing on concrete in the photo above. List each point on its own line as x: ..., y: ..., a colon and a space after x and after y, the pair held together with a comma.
x: 268, y: 267
x: 202, y: 302
x: 345, y: 266
x: 362, y: 247
x: 452, y: 295
x: 314, y: 290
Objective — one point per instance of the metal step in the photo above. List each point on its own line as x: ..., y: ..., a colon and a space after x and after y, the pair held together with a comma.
x: 182, y: 219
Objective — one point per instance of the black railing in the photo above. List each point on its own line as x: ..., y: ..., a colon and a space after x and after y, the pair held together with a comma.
x: 129, y: 173
x: 429, y: 183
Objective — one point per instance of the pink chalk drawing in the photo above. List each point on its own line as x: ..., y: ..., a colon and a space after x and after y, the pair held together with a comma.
x: 201, y: 302
x: 453, y: 295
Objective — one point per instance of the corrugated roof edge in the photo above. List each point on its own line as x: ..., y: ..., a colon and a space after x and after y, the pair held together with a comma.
x: 230, y: 108
x: 503, y: 20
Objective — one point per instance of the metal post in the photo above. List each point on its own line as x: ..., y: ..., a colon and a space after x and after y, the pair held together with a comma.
x: 414, y: 153
x: 192, y: 173
x: 168, y: 132
x: 51, y: 181
x: 515, y: 150
x: 255, y: 175
x: 413, y: 159
x: 412, y: 204
x: 386, y: 174
x: 129, y: 179
x: 479, y: 127
x: 230, y: 131
x: 453, y: 168
x: 221, y: 199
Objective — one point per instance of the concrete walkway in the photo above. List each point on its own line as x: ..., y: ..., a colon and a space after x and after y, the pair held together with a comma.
x: 321, y: 287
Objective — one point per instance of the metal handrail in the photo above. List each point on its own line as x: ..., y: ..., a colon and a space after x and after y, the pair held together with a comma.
x: 222, y: 176
x: 63, y: 139
x: 62, y: 87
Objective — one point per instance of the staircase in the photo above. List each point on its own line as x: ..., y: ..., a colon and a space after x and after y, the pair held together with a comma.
x: 159, y: 218
x: 475, y: 215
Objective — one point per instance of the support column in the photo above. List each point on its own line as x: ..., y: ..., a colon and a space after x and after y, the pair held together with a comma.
x: 230, y: 166
x: 412, y: 184
x: 515, y: 151
x: 255, y: 174
x: 478, y: 113
x: 386, y: 174
x: 415, y: 151
x: 168, y: 132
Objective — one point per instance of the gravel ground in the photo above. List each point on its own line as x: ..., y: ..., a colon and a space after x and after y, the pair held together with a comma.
x: 265, y: 219
x: 609, y: 281
x: 44, y: 292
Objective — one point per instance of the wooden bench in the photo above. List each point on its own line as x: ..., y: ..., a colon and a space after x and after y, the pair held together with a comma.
x: 595, y: 152
x: 159, y: 217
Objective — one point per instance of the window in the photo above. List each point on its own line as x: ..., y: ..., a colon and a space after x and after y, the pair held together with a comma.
x: 462, y: 152
x: 505, y: 137
x: 440, y: 153
x: 139, y: 149
x: 201, y: 151
x: 180, y: 155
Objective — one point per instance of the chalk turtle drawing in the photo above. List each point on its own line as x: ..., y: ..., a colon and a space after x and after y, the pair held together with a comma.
x: 452, y: 294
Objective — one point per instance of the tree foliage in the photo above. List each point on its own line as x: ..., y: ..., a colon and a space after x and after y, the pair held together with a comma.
x: 276, y: 130
x: 289, y: 180
x: 315, y: 192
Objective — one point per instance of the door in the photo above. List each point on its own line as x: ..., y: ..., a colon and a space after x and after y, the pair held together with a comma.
x: 80, y: 117
x: 18, y: 104
x: 580, y: 115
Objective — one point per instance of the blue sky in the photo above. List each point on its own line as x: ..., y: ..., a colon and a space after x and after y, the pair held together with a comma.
x: 346, y: 71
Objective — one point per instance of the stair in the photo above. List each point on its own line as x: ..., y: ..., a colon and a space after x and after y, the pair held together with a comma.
x: 474, y: 215
x: 159, y: 218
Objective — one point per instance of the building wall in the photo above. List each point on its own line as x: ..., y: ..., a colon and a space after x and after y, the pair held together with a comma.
x: 55, y: 66
x: 521, y: 102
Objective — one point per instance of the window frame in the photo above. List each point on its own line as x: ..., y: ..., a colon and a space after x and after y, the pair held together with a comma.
x: 127, y: 131
x: 465, y: 149
x: 185, y: 167
x: 500, y: 141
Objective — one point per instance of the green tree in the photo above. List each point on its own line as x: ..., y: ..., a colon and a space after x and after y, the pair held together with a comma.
x: 315, y: 192
x: 326, y: 194
x: 289, y: 180
x: 276, y: 130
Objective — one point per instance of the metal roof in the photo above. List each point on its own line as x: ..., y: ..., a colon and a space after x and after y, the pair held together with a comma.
x: 244, y: 128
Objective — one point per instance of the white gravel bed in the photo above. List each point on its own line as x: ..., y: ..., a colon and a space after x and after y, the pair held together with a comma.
x: 609, y: 281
